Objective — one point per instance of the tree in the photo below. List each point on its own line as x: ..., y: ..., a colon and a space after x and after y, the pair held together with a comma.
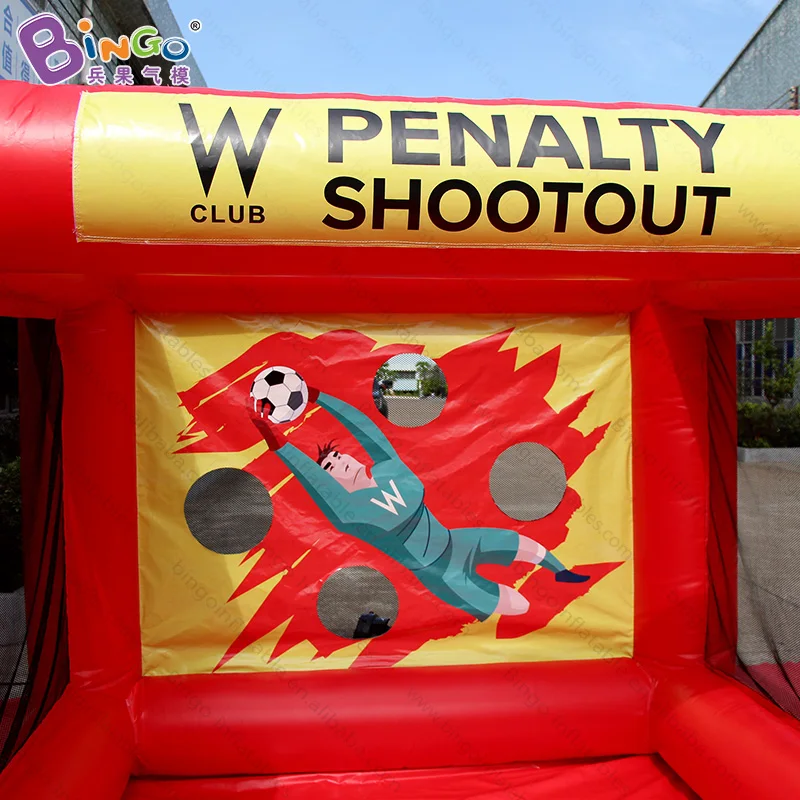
x: 779, y: 375
x: 384, y: 373
x: 431, y: 379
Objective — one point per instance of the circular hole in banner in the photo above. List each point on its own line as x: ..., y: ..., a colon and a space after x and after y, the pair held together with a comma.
x: 410, y: 390
x: 528, y: 481
x: 228, y: 510
x: 357, y: 603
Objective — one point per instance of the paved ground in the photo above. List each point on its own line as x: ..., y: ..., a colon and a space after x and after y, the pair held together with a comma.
x: 769, y: 562
x: 411, y: 412
x: 12, y: 636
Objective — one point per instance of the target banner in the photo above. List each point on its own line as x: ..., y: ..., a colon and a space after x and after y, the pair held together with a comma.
x: 332, y: 493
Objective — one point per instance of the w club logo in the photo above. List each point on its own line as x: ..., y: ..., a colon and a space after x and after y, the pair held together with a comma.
x: 247, y: 161
x: 390, y: 499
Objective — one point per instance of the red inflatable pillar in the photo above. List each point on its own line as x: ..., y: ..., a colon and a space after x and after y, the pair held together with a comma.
x: 670, y: 484
x: 100, y: 496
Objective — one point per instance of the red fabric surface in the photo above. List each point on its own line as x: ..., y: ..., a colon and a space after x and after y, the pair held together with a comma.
x: 40, y: 393
x: 36, y: 133
x: 466, y: 284
x: 722, y: 539
x: 47, y: 296
x: 781, y: 681
x: 635, y: 778
x: 670, y: 483
x: 82, y: 751
x: 756, y: 297
x: 281, y: 722
x: 459, y: 281
x: 724, y: 742
x: 100, y: 496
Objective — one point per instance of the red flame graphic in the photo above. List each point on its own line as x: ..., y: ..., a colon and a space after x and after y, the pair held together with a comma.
x: 490, y: 407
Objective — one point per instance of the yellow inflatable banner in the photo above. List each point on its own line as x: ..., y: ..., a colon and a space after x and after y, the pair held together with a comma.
x: 216, y: 168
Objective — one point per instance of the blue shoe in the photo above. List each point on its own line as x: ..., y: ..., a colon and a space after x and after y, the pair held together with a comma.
x: 568, y: 576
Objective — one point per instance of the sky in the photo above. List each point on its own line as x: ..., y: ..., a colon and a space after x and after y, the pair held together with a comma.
x: 653, y: 51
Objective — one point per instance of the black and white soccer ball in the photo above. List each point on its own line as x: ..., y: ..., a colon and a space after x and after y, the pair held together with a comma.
x: 279, y: 393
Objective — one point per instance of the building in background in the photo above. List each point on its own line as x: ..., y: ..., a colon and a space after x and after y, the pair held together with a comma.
x: 402, y: 371
x: 749, y: 370
x: 13, y: 65
x: 111, y: 18
x: 766, y: 74
x: 413, y: 374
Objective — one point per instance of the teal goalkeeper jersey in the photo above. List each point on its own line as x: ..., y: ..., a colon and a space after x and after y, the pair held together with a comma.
x: 391, y: 516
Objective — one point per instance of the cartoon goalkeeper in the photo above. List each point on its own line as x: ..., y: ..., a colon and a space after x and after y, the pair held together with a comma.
x: 387, y: 510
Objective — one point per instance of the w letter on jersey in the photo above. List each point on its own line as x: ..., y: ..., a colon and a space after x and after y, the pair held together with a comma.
x: 390, y: 499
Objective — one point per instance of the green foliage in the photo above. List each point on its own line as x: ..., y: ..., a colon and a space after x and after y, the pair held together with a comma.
x: 779, y: 376
x: 9, y: 438
x: 431, y: 379
x: 763, y: 425
x: 10, y: 527
x: 384, y: 373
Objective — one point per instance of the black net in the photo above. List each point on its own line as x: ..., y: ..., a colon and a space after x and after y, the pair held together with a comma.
x: 228, y: 510
x: 754, y: 543
x: 34, y: 670
x: 528, y: 481
x: 357, y: 603
x: 768, y: 647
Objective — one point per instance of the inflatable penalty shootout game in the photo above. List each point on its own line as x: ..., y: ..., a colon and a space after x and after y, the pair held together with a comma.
x: 399, y: 458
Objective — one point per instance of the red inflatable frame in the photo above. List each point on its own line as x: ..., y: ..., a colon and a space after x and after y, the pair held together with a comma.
x: 605, y: 728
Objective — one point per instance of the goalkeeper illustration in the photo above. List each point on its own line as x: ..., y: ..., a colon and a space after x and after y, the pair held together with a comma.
x: 385, y: 507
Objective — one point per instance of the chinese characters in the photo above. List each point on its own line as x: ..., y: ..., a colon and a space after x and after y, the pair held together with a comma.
x: 179, y: 75
x: 13, y: 65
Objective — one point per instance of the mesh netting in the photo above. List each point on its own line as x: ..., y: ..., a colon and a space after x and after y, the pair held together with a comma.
x: 769, y: 592
x: 528, y: 481
x: 410, y: 390
x: 13, y: 661
x: 754, y: 536
x: 357, y: 602
x: 228, y: 510
x: 413, y: 412
x: 34, y: 669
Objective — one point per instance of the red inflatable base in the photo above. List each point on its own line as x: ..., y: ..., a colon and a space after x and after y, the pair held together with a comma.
x: 720, y: 739
x: 420, y: 718
x: 635, y: 778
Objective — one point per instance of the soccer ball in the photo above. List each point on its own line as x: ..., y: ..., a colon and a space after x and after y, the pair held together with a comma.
x: 280, y: 393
